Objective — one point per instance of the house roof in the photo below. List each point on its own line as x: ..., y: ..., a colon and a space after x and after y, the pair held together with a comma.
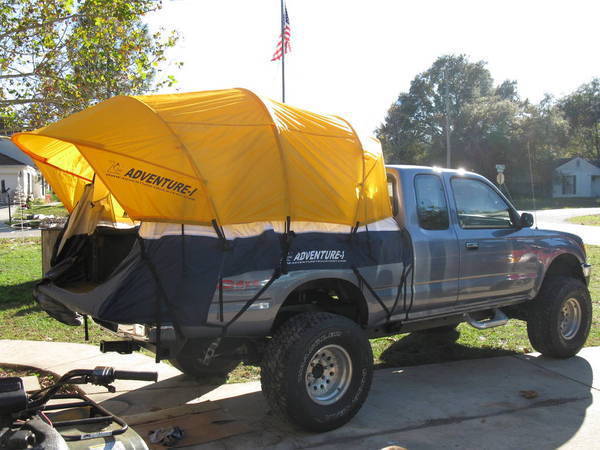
x: 8, y: 161
x: 559, y: 162
x: 10, y: 154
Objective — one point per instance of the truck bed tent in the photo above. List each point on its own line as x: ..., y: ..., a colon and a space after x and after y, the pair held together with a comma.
x: 220, y: 183
x: 227, y: 156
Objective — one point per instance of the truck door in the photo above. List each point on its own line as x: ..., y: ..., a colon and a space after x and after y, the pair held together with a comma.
x: 494, y: 256
x: 435, y: 245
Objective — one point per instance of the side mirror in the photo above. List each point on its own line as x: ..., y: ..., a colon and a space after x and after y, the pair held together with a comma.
x: 526, y: 220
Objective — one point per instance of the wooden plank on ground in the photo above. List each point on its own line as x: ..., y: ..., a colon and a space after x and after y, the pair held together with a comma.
x: 170, y: 413
x: 198, y: 428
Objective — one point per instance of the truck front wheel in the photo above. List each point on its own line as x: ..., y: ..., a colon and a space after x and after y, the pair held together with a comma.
x: 559, y: 319
x: 317, y: 370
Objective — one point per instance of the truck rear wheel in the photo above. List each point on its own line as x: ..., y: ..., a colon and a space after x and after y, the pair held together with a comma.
x: 317, y: 370
x: 559, y: 320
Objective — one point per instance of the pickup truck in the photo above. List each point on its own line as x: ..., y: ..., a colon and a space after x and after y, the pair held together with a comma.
x: 476, y: 259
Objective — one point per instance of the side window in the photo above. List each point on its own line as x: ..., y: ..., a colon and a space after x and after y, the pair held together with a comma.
x: 479, y: 206
x: 432, y: 208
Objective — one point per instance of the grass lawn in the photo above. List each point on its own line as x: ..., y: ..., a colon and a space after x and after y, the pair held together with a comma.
x: 48, y: 210
x: 21, y: 318
x: 18, y: 214
x: 586, y: 220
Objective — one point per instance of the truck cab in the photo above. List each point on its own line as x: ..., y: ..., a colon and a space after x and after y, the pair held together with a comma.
x: 472, y: 248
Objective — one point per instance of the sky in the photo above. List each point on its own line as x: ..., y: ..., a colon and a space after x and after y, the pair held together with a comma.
x: 353, y: 58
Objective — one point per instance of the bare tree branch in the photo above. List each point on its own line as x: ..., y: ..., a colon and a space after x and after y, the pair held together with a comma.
x: 17, y: 75
x: 25, y: 101
x: 38, y: 25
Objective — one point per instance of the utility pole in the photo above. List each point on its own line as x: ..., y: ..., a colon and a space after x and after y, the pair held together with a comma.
x: 447, y: 103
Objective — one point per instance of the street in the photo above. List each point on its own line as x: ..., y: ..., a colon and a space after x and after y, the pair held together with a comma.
x: 556, y: 219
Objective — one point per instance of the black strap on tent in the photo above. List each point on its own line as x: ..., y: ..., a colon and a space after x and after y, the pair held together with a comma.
x: 369, y: 246
x: 400, y: 291
x: 276, y: 274
x: 184, y: 265
x: 212, y: 348
x: 411, y: 269
x: 286, y: 242
x: 221, y: 234
x: 226, y: 246
x: 353, y: 231
x: 362, y: 281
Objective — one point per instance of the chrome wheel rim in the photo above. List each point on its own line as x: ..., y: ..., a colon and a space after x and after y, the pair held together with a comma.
x: 570, y: 318
x: 328, y: 374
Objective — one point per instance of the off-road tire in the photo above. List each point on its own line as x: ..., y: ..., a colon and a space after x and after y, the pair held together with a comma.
x: 288, y: 355
x: 544, y: 317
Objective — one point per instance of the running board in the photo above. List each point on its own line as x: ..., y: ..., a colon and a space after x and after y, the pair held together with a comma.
x: 498, y: 320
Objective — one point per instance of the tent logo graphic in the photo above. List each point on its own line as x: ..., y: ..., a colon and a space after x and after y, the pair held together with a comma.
x: 317, y: 256
x: 114, y: 169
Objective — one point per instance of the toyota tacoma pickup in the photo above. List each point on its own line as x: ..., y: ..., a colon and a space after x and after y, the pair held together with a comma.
x: 475, y: 259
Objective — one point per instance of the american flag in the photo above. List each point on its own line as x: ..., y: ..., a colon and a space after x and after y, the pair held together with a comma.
x: 286, y: 39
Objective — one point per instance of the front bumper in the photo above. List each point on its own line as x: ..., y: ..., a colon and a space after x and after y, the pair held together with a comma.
x: 587, y: 272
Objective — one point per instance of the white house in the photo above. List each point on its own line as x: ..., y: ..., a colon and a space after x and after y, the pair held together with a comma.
x: 17, y: 170
x: 577, y: 177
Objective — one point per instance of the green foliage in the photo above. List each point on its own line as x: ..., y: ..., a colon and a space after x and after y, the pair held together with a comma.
x: 488, y: 124
x: 582, y: 110
x: 61, y: 56
x: 586, y: 220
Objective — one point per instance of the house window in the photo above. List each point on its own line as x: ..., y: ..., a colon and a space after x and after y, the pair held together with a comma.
x: 568, y: 185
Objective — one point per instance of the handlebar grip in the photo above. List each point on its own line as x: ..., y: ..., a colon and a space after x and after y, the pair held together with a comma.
x: 133, y: 375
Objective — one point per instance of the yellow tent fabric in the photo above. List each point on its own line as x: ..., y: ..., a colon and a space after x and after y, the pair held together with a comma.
x: 224, y: 155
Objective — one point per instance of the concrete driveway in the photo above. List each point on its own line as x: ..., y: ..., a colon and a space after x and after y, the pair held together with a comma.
x: 556, y: 219
x: 471, y: 404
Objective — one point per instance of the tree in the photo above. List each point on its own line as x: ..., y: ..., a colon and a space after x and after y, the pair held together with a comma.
x: 582, y: 110
x: 60, y: 56
x: 414, y: 128
x: 489, y: 125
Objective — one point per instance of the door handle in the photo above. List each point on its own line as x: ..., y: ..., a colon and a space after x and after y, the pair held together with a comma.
x: 472, y: 245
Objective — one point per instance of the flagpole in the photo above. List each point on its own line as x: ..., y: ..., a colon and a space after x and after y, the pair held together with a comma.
x: 282, y: 54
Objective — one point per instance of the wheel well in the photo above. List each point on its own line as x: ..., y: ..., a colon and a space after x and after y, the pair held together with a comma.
x: 565, y: 265
x: 329, y: 295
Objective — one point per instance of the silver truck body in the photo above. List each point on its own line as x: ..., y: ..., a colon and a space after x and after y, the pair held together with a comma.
x: 456, y: 271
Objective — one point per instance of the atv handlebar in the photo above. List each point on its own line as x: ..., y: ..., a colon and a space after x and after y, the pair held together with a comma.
x: 134, y: 375
x: 100, y: 376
